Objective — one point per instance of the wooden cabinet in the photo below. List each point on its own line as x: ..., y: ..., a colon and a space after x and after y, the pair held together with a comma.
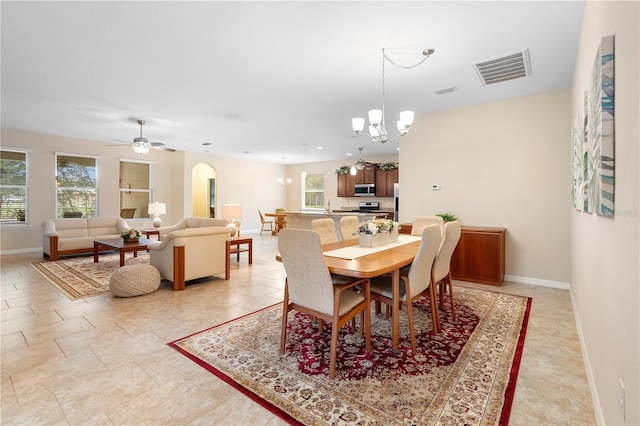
x: 346, y: 185
x: 385, y: 179
x: 367, y: 175
x: 479, y: 256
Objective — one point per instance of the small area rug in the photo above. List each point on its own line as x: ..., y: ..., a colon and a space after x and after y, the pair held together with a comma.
x: 80, y: 277
x: 465, y: 374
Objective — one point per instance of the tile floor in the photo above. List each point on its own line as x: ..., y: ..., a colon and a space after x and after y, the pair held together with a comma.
x: 105, y: 360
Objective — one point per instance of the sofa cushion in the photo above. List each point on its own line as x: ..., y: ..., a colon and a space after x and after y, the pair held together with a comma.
x: 76, y: 243
x: 105, y: 226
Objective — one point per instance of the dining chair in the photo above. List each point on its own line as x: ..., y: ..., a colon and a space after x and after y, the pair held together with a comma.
x: 442, y: 264
x: 420, y: 222
x: 311, y: 289
x: 326, y: 228
x: 265, y: 223
x: 415, y: 282
x: 348, y: 226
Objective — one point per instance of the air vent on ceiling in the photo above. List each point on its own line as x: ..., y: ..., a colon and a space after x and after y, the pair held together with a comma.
x: 509, y: 67
x: 446, y: 90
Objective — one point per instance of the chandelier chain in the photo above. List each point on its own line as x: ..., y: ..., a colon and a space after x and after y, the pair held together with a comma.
x: 406, y: 67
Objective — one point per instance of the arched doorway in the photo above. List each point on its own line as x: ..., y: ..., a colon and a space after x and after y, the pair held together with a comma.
x: 203, y: 187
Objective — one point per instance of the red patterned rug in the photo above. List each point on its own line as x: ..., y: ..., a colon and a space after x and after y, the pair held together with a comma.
x: 465, y: 374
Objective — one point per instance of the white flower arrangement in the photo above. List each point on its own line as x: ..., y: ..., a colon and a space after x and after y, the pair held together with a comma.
x: 131, y: 234
x: 378, y: 225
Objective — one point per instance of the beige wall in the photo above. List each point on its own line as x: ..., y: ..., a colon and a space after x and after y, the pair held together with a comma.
x: 502, y: 164
x: 250, y: 183
x: 605, y: 275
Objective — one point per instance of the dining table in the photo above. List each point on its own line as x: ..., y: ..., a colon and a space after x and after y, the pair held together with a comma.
x: 281, y: 221
x: 379, y: 261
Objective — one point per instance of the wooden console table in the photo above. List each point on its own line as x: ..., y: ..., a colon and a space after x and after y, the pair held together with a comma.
x: 479, y: 255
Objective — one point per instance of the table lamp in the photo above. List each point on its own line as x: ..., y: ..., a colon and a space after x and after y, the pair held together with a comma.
x: 156, y: 209
x: 232, y: 212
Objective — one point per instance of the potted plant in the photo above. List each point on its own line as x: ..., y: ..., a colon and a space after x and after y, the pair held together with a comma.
x: 131, y: 235
x: 447, y: 217
x: 21, y: 215
x: 342, y: 170
x: 389, y: 166
x: 279, y: 210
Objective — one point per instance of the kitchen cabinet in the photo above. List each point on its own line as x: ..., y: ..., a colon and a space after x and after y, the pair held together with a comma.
x: 346, y: 185
x: 367, y: 175
x: 479, y: 255
x: 385, y: 179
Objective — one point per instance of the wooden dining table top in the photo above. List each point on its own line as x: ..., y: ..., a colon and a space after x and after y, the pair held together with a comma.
x: 370, y: 265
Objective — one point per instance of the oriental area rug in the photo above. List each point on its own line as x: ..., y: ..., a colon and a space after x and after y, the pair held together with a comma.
x: 464, y: 374
x: 80, y: 277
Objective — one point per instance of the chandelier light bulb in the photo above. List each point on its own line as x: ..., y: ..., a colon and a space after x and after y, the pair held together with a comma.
x: 353, y: 170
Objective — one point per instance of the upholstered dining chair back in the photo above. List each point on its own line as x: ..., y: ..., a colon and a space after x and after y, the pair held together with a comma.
x: 326, y: 229
x: 442, y: 263
x: 308, y: 278
x: 349, y: 225
x: 420, y: 222
x: 420, y: 271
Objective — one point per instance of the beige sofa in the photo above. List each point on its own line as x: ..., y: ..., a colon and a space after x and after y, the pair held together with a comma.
x: 76, y: 235
x: 190, y: 253
x: 198, y: 222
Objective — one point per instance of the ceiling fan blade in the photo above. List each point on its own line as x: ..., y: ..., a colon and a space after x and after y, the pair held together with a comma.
x: 120, y: 140
x: 161, y: 147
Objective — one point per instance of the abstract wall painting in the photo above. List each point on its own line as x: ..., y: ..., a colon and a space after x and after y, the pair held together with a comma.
x: 593, y: 138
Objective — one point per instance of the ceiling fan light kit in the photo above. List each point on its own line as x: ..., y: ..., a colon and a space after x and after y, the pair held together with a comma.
x: 141, y: 145
x: 377, y: 128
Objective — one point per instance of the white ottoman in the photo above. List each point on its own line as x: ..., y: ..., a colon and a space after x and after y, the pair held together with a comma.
x: 134, y: 280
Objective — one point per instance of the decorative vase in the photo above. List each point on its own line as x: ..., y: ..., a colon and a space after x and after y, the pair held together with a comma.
x: 375, y: 240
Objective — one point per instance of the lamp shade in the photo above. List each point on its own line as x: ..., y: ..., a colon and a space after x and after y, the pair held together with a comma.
x: 157, y: 208
x: 231, y: 211
x: 357, y: 123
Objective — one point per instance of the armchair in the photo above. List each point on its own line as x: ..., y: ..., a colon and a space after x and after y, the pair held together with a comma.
x: 188, y: 254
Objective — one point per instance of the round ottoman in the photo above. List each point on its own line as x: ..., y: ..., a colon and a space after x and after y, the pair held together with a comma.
x: 134, y: 280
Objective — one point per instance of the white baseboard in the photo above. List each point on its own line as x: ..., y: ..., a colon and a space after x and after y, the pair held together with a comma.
x: 537, y: 281
x: 587, y: 366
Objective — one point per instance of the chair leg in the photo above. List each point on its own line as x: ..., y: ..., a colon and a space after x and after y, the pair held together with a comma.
x: 450, y: 280
x: 334, y: 347
x: 285, y: 312
x: 412, y: 334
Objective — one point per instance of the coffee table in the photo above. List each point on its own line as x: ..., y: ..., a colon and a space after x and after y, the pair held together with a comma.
x: 119, y: 245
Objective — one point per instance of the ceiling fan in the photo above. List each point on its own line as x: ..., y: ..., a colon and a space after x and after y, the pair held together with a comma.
x: 142, y: 145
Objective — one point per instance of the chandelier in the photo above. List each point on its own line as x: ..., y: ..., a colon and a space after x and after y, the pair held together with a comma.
x: 377, y: 126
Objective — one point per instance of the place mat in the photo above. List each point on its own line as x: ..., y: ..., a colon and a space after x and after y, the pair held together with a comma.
x: 355, y: 252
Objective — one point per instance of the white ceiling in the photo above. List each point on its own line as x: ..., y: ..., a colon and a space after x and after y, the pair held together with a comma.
x: 265, y: 77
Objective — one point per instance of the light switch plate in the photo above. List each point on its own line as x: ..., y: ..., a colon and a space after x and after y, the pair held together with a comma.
x: 435, y: 186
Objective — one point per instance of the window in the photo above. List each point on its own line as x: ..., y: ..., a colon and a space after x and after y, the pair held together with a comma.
x: 13, y: 185
x: 135, y: 188
x: 77, y: 183
x: 313, y: 191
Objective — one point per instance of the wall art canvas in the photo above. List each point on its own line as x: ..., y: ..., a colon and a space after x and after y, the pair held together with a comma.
x: 593, y: 138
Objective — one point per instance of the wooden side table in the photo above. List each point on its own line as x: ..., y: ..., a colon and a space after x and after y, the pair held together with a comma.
x: 148, y: 232
x: 235, y: 246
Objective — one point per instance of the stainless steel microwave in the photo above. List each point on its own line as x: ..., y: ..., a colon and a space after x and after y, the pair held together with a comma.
x: 365, y: 190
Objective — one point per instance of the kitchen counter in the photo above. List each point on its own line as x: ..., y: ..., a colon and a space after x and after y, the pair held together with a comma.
x: 302, y: 219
